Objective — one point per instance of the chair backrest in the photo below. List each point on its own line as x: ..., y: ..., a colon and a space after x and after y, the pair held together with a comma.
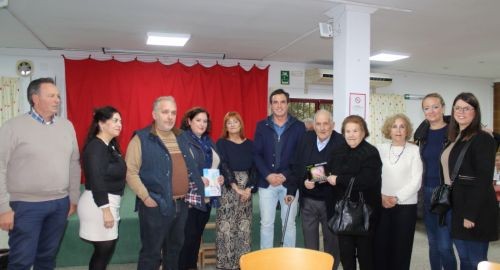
x: 485, y: 265
x: 286, y: 258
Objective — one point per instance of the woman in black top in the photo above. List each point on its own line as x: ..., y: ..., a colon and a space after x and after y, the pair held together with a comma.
x: 361, y: 160
x: 234, y: 216
x: 474, y: 206
x: 105, y: 170
x: 431, y: 137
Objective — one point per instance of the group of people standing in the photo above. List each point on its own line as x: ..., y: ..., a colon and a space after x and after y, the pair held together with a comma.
x: 40, y: 183
x: 472, y: 222
x: 321, y: 164
x: 306, y: 171
x: 388, y: 177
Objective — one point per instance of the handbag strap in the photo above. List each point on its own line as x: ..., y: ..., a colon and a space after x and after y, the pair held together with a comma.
x: 460, y: 158
x: 361, y: 200
x: 347, y: 194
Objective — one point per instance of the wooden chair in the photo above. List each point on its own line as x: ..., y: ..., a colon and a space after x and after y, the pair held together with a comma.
x: 486, y: 265
x: 206, y: 254
x: 286, y: 259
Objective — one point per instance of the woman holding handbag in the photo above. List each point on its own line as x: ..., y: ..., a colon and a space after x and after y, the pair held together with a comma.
x: 361, y: 161
x: 431, y: 137
x: 474, y: 207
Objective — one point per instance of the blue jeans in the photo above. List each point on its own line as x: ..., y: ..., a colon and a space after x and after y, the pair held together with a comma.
x: 471, y: 253
x: 441, y: 254
x: 38, y: 229
x: 161, y: 236
x: 268, y: 199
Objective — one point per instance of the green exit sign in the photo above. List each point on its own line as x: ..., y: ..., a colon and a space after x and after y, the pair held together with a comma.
x: 285, y: 77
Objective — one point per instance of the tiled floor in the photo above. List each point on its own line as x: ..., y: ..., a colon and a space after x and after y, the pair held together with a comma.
x: 419, y: 256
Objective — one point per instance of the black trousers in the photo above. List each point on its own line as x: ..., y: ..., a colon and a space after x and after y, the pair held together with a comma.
x: 394, y: 237
x: 360, y: 247
x: 193, y: 231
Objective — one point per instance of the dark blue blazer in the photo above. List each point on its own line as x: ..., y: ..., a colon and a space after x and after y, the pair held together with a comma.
x: 267, y: 145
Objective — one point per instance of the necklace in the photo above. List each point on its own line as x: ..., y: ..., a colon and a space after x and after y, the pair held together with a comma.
x: 394, y: 157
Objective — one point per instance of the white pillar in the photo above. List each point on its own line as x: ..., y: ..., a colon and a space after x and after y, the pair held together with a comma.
x: 351, y: 65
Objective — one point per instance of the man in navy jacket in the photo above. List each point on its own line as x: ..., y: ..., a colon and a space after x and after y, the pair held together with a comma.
x: 275, y: 140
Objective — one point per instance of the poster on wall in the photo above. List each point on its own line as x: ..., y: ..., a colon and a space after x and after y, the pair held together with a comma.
x: 357, y: 104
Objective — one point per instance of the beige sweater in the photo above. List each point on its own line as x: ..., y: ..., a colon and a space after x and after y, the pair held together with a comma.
x: 38, y: 162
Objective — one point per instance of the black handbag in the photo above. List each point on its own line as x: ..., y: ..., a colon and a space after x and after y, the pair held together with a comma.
x: 441, y: 199
x: 350, y: 218
x: 441, y: 195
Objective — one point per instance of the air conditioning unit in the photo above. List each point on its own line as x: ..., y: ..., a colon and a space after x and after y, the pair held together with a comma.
x: 379, y: 80
x: 325, y: 77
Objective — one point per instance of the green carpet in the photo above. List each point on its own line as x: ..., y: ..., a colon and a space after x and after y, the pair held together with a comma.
x: 75, y: 252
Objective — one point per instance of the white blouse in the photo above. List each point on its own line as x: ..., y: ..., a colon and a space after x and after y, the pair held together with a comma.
x: 401, y: 171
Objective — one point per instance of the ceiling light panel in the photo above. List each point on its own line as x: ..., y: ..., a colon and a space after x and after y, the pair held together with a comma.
x: 167, y: 39
x: 388, y: 57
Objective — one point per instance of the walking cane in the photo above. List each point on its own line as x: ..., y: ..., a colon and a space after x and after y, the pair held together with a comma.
x: 286, y: 223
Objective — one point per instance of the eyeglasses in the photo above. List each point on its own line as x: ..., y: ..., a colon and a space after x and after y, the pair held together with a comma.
x: 463, y: 109
x: 433, y: 107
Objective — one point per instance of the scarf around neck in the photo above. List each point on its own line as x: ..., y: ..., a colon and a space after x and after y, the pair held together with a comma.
x: 206, y: 145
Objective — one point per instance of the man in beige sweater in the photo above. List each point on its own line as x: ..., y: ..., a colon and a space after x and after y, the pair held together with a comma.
x: 39, y: 178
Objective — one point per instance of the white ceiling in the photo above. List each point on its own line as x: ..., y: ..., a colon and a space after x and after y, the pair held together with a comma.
x: 455, y: 37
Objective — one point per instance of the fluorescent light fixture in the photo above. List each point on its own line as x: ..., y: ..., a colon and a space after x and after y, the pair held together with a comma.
x: 167, y: 39
x: 388, y: 57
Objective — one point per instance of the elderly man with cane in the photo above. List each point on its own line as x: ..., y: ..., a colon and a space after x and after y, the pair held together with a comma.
x: 312, y: 154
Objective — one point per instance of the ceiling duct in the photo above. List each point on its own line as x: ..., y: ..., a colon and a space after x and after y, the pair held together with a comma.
x: 325, y: 77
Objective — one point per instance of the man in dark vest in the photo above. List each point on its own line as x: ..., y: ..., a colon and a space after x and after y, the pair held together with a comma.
x: 159, y: 172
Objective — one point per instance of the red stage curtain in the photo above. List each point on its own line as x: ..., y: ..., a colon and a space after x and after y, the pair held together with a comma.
x: 131, y: 87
